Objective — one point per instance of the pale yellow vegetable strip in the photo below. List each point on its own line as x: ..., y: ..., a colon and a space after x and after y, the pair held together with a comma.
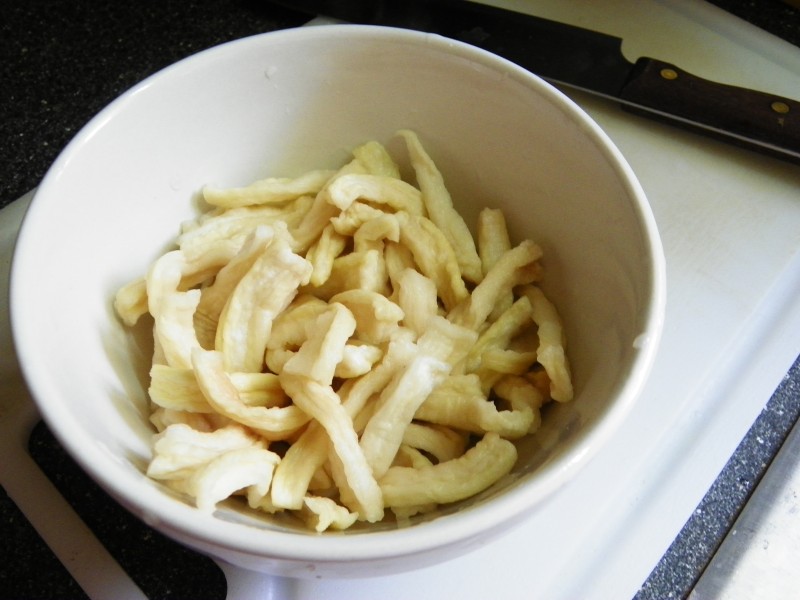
x: 507, y: 272
x: 409, y: 456
x: 176, y: 389
x: 314, y: 222
x: 372, y: 234
x: 243, y: 473
x: 158, y: 351
x: 521, y: 393
x: 322, y: 483
x: 323, y: 348
x: 230, y: 473
x: 273, y: 423
x: 348, y: 222
x: 443, y: 443
x: 357, y: 270
x: 323, y: 252
x: 417, y: 299
x: 435, y: 257
x: 175, y: 326
x: 214, y: 297
x: 179, y: 450
x: 376, y: 159
x: 321, y: 514
x: 130, y: 301
x: 509, y: 362
x: 172, y: 310
x: 500, y: 333
x: 493, y: 238
x: 493, y: 242
x: 272, y: 190
x: 289, y: 325
x: 301, y: 461
x: 163, y: 418
x: 487, y: 379
x: 395, y: 193
x: 476, y: 470
x: 376, y: 316
x: 261, y: 502
x: 246, y: 321
x: 551, y: 353
x: 355, y: 396
x: 439, y: 206
x: 231, y: 227
x: 357, y: 359
x: 461, y: 403
x: 309, y: 451
x: 446, y: 340
x: 397, y: 259
x: 321, y: 212
x: 322, y: 403
x: 396, y: 406
x: 289, y: 329
x: 194, y: 268
x: 204, y: 266
x: 259, y: 389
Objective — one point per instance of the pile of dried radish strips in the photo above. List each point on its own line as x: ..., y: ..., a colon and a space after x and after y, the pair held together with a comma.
x: 338, y: 345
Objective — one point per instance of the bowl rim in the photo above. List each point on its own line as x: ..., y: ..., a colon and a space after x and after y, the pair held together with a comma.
x: 186, y: 521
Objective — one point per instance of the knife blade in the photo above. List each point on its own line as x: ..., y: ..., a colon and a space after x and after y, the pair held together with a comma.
x: 593, y: 62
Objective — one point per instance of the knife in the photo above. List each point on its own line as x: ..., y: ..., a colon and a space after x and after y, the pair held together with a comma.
x: 593, y: 62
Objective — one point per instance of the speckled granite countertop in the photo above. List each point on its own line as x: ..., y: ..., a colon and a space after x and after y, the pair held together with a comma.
x: 60, y: 63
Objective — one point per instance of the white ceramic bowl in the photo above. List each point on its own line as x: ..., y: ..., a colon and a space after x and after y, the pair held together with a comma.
x: 279, y: 104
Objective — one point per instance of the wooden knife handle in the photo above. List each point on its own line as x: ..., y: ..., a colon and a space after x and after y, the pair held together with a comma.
x: 749, y: 118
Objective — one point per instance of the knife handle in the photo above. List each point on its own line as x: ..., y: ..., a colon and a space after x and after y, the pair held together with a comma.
x: 753, y: 119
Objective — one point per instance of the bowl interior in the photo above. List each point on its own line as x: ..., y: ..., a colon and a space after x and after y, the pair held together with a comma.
x: 284, y: 103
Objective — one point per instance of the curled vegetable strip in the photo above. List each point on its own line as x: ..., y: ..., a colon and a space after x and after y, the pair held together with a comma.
x: 551, y: 351
x: 214, y: 297
x: 273, y: 423
x: 179, y: 450
x: 273, y: 190
x: 395, y: 193
x: 177, y: 389
x: 231, y: 472
x: 376, y: 316
x: 130, y: 302
x: 322, y: 513
x: 506, y: 273
x: 460, y: 402
x: 439, y: 206
x: 434, y: 256
x: 172, y: 309
x: 453, y: 480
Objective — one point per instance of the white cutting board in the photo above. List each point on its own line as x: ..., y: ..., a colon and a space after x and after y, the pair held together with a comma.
x: 730, y: 223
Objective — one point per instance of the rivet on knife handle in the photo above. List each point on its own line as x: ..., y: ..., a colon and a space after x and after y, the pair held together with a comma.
x: 746, y: 117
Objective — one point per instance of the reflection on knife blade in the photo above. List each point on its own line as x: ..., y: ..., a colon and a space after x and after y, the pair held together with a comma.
x: 592, y: 62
